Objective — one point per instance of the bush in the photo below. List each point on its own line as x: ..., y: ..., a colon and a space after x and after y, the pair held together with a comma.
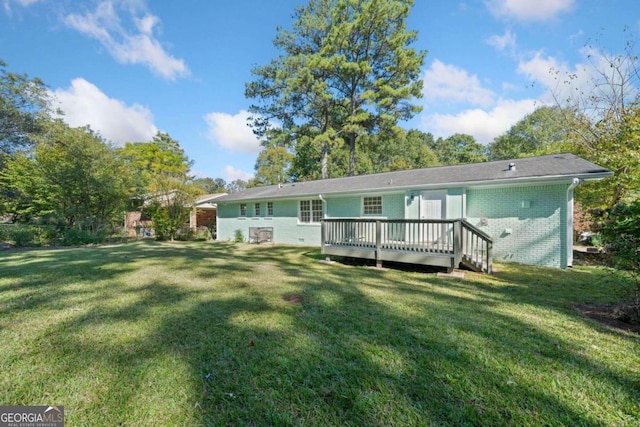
x: 238, y: 236
x: 22, y: 235
x: 619, y: 229
x: 74, y: 236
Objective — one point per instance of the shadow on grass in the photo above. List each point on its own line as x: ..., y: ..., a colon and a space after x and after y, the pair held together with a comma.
x: 246, y: 335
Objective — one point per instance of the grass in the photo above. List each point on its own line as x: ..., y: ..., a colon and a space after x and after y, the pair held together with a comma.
x: 154, y: 334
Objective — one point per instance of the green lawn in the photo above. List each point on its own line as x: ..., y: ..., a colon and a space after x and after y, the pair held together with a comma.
x: 182, y: 334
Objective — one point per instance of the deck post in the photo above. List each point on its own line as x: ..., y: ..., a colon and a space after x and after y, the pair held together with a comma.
x: 489, y: 257
x: 378, y: 244
x: 457, y: 243
x: 323, y: 234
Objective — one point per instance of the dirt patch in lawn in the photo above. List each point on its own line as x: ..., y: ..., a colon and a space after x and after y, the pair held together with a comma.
x: 609, y: 315
x: 293, y: 298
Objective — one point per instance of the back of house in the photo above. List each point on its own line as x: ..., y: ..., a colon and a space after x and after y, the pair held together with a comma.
x: 525, y: 205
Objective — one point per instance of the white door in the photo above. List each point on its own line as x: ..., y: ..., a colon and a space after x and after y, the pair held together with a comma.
x: 433, y: 206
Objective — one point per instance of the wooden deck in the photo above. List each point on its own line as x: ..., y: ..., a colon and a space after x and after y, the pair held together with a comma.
x: 440, y: 243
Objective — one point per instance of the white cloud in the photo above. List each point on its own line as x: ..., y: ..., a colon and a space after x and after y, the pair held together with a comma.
x: 128, y: 45
x: 231, y: 174
x: 483, y: 125
x: 85, y: 104
x: 561, y: 80
x: 231, y: 132
x: 529, y: 10
x: 504, y: 42
x: 24, y: 3
x: 453, y: 84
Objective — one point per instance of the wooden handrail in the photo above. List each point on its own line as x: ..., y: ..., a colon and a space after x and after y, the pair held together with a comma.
x: 449, y: 237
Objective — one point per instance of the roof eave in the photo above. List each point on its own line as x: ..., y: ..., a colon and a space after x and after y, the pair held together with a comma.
x: 408, y: 187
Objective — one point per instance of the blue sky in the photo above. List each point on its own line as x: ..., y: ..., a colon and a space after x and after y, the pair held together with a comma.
x: 130, y: 68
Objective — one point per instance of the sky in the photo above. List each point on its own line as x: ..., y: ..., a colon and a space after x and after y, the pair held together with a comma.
x: 131, y: 68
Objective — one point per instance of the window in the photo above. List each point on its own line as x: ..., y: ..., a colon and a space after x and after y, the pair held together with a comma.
x: 372, y: 205
x: 269, y: 208
x: 243, y: 209
x: 310, y: 210
x: 256, y: 209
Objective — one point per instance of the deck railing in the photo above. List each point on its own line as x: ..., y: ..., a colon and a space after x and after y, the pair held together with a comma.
x: 455, y: 239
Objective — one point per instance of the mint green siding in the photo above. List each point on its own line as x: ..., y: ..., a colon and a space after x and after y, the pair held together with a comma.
x: 351, y: 207
x: 528, y: 224
x: 285, y: 224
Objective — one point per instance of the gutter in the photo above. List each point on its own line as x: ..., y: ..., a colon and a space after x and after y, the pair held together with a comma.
x: 324, y: 202
x: 499, y: 182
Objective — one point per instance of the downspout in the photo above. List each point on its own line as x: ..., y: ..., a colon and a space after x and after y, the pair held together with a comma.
x: 324, y: 203
x: 574, y: 184
x: 322, y: 228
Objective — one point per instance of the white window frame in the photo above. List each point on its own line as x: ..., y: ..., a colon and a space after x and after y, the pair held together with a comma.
x: 269, y: 208
x: 243, y: 209
x: 370, y: 205
x: 256, y: 209
x: 311, y: 214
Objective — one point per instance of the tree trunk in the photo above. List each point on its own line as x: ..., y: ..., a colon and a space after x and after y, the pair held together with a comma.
x: 325, y: 160
x: 352, y: 154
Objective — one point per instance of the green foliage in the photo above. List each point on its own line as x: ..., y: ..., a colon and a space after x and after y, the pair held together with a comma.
x: 23, y: 109
x: 619, y: 228
x: 147, y: 160
x: 171, y: 205
x: 210, y: 185
x: 273, y: 166
x: 75, y: 236
x: 607, y: 119
x: 347, y: 70
x: 72, y: 176
x: 458, y: 149
x: 544, y: 130
x: 25, y: 235
x: 238, y: 237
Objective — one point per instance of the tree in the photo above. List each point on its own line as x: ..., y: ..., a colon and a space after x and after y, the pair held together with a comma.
x: 459, y: 149
x: 148, y: 160
x: 347, y: 70
x: 24, y: 106
x: 607, y: 112
x: 163, y: 186
x: 210, y: 185
x: 72, y: 176
x: 546, y: 129
x: 272, y: 166
x: 236, y: 186
x: 170, y: 207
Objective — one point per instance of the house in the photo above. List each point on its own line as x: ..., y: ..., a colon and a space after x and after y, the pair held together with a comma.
x: 202, y: 215
x: 522, y: 207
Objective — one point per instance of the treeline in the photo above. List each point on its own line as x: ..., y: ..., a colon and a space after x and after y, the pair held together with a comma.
x: 73, y: 186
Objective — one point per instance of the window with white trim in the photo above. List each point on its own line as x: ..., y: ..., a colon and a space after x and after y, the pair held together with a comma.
x: 243, y: 209
x: 310, y: 211
x: 256, y: 209
x: 372, y: 205
x: 269, y: 208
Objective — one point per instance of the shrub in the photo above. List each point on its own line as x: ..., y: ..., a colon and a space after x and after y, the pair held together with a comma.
x: 22, y: 235
x: 238, y: 236
x: 619, y: 229
x: 74, y: 236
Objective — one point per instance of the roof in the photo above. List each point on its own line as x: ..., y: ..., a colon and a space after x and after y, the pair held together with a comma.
x: 207, y: 201
x: 526, y: 170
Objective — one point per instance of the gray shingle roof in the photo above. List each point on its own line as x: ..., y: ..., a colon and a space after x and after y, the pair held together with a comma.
x: 529, y: 169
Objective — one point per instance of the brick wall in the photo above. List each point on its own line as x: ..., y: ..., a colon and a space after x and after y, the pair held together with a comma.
x: 528, y: 224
